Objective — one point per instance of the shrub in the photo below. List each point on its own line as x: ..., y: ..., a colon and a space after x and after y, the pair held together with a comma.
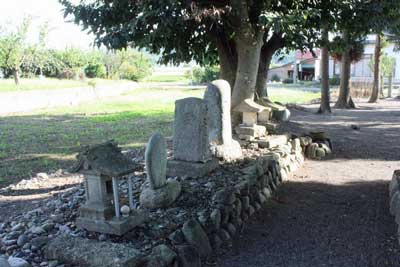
x: 287, y: 80
x: 206, y: 74
x: 334, y: 81
x: 275, y: 78
x: 95, y: 70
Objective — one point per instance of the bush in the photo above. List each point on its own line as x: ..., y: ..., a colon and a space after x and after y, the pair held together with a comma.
x: 334, y: 81
x: 205, y: 75
x: 287, y: 80
x: 275, y: 78
x: 95, y: 70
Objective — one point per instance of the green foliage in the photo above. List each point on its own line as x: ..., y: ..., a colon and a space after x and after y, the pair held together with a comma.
x: 95, y: 67
x: 205, y: 74
x: 334, y: 81
x: 13, y: 47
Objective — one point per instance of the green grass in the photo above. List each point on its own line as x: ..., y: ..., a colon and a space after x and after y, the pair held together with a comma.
x: 46, y: 140
x: 166, y: 78
x: 291, y: 95
x: 8, y: 85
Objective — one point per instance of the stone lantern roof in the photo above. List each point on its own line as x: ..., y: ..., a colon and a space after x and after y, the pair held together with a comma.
x: 248, y: 105
x: 104, y: 159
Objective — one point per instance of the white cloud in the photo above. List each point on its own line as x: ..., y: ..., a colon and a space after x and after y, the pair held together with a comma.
x: 62, y: 34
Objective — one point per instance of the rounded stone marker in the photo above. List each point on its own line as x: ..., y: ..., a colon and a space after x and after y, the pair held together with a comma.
x: 156, y: 161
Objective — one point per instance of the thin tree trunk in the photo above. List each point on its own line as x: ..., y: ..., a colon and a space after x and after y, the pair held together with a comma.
x: 344, y: 99
x: 381, y: 85
x: 377, y: 59
x: 325, y: 94
x: 390, y: 85
x: 16, y: 76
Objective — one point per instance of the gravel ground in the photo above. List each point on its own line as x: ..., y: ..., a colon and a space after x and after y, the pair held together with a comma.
x: 333, y: 212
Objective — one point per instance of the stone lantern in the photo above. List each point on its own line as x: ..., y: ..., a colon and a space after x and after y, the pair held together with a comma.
x: 251, y: 111
x: 102, y: 166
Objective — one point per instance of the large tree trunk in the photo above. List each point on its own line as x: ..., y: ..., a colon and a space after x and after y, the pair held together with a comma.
x: 248, y: 41
x: 325, y: 94
x: 267, y: 51
x: 227, y: 57
x: 16, y: 76
x: 377, y: 59
x: 344, y: 99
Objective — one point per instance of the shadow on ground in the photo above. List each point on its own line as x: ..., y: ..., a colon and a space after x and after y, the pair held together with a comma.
x: 317, y: 224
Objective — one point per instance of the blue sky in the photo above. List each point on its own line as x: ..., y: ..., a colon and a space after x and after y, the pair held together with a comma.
x: 62, y: 34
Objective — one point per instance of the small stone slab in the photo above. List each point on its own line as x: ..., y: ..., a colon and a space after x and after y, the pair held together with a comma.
x: 114, y: 226
x: 91, y: 253
x: 178, y: 168
x: 156, y: 161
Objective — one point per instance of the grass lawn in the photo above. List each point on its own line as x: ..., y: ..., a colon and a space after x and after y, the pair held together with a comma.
x: 166, y: 78
x: 46, y: 140
x: 7, y: 85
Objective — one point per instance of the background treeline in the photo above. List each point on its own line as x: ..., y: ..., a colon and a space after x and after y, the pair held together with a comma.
x: 20, y: 58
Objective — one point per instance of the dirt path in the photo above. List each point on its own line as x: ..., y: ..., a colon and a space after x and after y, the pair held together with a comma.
x: 332, y: 212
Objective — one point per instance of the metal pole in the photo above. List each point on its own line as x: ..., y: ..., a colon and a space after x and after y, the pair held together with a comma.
x: 130, y: 192
x: 116, y: 197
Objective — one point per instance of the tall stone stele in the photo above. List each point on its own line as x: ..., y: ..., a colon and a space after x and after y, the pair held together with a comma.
x: 218, y: 100
x: 192, y: 154
x: 160, y: 192
x: 102, y: 165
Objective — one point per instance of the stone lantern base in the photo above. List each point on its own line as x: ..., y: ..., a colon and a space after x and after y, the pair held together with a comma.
x: 113, y: 226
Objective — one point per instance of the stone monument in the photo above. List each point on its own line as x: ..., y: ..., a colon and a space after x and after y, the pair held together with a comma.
x: 102, y: 165
x: 249, y: 130
x: 218, y: 100
x: 160, y: 192
x: 192, y: 154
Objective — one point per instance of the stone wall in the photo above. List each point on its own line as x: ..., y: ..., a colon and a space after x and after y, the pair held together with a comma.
x: 11, y: 102
x: 225, y: 201
x: 394, y: 196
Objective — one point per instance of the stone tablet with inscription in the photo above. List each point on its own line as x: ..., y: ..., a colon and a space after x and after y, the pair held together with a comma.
x: 190, y: 130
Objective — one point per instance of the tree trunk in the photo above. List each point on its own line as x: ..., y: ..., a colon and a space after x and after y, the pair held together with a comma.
x: 16, y: 76
x: 377, y: 59
x: 344, y: 99
x: 247, y: 70
x: 262, y: 75
x: 325, y: 94
x: 267, y: 51
x: 248, y: 41
x: 390, y: 85
x: 381, y: 85
x: 227, y: 57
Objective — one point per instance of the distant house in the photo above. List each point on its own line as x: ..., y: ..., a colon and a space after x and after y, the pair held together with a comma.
x: 308, y: 66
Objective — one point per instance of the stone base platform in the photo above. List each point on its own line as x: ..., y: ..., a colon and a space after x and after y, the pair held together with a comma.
x: 190, y: 169
x: 114, y: 226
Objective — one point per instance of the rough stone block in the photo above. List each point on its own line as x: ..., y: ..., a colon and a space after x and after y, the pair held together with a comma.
x: 161, y: 197
x: 190, y: 169
x: 91, y: 253
x: 256, y: 131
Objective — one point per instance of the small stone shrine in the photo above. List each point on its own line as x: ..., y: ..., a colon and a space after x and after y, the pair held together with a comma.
x: 160, y: 192
x: 218, y: 100
x: 249, y: 130
x: 102, y: 165
x: 192, y: 154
